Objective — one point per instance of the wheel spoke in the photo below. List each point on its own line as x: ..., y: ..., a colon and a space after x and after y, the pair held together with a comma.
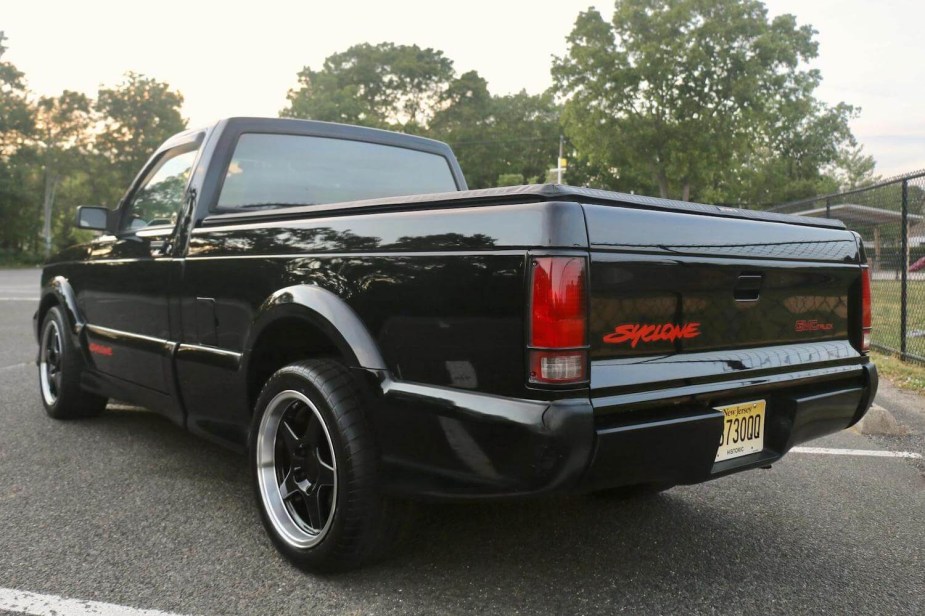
x: 313, y: 507
x: 325, y: 471
x: 292, y: 442
x: 288, y: 486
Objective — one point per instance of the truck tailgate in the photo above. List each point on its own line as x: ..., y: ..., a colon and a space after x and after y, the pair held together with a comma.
x: 714, y: 295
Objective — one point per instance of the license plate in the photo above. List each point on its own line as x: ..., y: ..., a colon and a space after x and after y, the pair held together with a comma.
x: 743, y: 430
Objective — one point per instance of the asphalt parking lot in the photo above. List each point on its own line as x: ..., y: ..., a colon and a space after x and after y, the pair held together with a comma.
x: 128, y: 509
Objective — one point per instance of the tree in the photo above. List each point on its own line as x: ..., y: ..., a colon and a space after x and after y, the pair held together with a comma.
x: 61, y: 138
x: 465, y: 122
x: 498, y: 138
x: 17, y: 160
x: 696, y: 98
x: 855, y: 169
x: 526, y: 127
x: 17, y: 119
x: 414, y: 90
x: 137, y: 116
x: 386, y: 86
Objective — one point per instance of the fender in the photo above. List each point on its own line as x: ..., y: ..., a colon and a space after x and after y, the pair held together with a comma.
x: 327, y: 312
x: 59, y: 290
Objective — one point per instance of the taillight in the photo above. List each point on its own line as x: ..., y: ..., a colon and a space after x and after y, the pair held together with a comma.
x: 866, y: 320
x: 558, y: 321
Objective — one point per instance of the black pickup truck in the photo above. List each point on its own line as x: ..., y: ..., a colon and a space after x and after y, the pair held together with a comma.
x: 333, y: 300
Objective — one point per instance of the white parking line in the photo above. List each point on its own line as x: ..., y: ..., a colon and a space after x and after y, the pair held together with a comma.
x: 874, y: 453
x: 14, y: 366
x: 23, y: 602
x: 19, y: 299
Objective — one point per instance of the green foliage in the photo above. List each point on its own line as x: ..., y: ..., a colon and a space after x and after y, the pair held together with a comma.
x: 510, y: 179
x: 495, y: 136
x: 60, y: 151
x: 137, y: 116
x: 17, y: 118
x: 855, y: 169
x: 61, y: 138
x: 414, y: 90
x: 19, y: 209
x: 385, y: 86
x: 17, y: 163
x: 465, y: 122
x: 526, y: 129
x: 704, y: 99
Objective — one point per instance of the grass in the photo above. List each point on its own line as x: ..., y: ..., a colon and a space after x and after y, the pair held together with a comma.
x: 885, y: 296
x: 905, y: 375
x: 19, y: 259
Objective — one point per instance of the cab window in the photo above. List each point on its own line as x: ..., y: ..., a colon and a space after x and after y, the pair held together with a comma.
x: 273, y: 170
x: 159, y: 200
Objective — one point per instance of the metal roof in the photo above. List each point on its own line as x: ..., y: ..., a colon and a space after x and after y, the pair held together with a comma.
x: 855, y: 215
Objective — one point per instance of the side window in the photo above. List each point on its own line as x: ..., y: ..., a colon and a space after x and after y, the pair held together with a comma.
x: 159, y: 200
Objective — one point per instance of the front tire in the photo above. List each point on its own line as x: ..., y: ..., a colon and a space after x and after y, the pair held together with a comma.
x: 314, y: 466
x: 60, y: 366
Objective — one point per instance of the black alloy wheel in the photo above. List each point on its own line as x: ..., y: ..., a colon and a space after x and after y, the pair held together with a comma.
x: 315, y: 466
x: 60, y: 366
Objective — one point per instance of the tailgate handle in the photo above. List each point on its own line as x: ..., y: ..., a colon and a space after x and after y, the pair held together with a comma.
x: 748, y: 287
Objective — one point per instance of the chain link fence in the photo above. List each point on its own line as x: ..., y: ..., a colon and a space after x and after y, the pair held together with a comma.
x: 890, y: 216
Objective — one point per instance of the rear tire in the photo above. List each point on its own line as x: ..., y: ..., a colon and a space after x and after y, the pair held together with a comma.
x: 314, y: 466
x: 60, y: 366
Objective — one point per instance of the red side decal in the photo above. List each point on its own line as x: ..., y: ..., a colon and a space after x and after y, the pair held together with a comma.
x: 99, y: 349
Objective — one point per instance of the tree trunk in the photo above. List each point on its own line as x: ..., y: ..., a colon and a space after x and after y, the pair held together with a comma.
x: 686, y: 192
x: 51, y: 186
x: 662, y: 182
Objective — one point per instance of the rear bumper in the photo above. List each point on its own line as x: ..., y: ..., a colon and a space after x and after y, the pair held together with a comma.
x: 447, y: 444
x: 681, y: 449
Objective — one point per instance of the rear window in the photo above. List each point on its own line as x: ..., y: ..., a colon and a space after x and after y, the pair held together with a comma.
x: 280, y: 170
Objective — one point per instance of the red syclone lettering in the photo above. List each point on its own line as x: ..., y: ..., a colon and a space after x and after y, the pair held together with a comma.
x: 634, y: 333
x: 812, y: 325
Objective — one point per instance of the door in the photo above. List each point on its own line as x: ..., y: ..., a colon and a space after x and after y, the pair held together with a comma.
x: 125, y: 290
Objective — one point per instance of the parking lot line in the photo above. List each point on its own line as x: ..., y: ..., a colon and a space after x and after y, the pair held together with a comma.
x: 874, y: 453
x: 23, y: 602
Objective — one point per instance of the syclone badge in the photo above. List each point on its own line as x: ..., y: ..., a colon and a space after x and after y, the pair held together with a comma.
x: 634, y: 333
x: 812, y: 325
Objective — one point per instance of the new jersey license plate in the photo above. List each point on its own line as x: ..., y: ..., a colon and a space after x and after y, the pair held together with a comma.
x: 743, y: 430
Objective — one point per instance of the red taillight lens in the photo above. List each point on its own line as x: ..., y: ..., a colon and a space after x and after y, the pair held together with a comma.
x: 866, y: 318
x: 558, y: 320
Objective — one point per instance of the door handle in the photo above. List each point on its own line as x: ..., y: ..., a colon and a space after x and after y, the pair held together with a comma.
x: 748, y: 287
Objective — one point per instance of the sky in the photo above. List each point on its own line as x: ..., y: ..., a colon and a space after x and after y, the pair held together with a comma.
x: 235, y: 58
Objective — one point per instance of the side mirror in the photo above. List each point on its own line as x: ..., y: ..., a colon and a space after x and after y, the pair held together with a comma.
x: 92, y: 217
